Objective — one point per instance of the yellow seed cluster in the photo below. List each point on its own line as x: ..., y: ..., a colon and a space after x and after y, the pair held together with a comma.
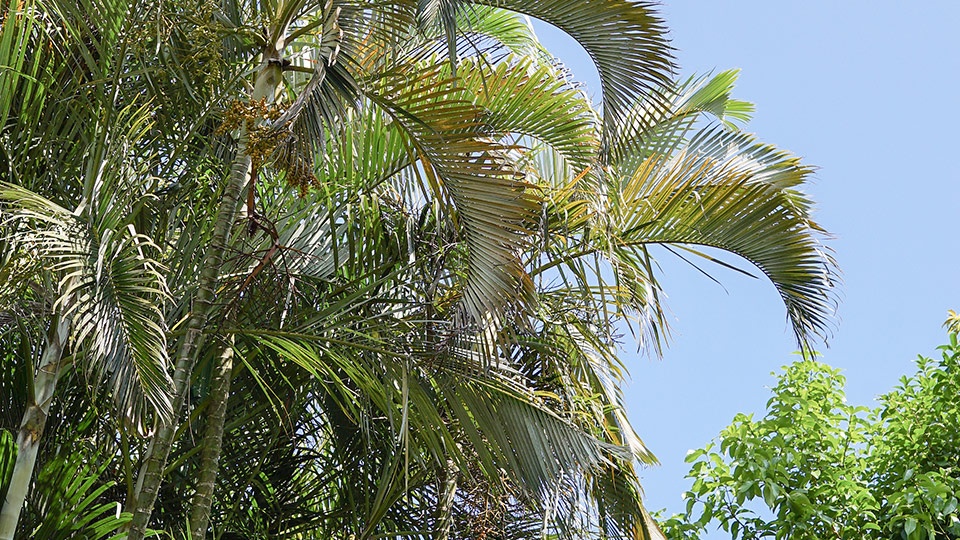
x: 205, y: 61
x: 248, y: 114
x: 267, y: 144
x: 262, y: 141
x: 298, y: 168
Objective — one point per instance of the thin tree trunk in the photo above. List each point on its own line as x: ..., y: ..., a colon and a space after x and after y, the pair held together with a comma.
x: 212, y: 443
x: 148, y: 481
x: 31, y: 428
x: 445, y: 508
x: 150, y: 477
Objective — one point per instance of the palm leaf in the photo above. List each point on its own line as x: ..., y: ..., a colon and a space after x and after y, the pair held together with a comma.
x: 625, y: 39
x: 539, y: 446
x: 110, y: 283
x: 470, y: 173
x: 728, y: 191
x: 70, y: 496
x: 322, y: 99
x: 489, y: 31
x: 619, y: 505
x: 17, y: 22
x: 525, y: 99
x: 111, y: 289
x: 662, y: 129
x: 373, y: 30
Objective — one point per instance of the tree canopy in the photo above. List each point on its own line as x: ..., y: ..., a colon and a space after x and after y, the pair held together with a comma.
x: 817, y: 467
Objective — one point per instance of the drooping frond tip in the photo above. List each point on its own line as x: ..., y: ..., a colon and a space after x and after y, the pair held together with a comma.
x: 626, y: 39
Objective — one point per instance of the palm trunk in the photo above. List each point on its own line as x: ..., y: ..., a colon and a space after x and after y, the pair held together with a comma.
x: 31, y: 428
x: 148, y: 481
x: 150, y: 477
x: 447, y: 499
x: 212, y: 442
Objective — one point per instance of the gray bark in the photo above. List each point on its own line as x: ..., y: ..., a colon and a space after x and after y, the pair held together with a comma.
x: 445, y: 509
x: 31, y: 428
x: 212, y: 442
x: 148, y: 481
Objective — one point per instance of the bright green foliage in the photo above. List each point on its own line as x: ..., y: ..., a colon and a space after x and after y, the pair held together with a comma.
x: 8, y: 453
x: 70, y: 488
x: 915, y: 456
x: 816, y: 467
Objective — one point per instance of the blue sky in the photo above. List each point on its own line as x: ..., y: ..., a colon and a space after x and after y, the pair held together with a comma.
x: 867, y: 92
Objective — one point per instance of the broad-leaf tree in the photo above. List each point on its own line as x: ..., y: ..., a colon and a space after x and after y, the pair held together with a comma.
x: 817, y: 467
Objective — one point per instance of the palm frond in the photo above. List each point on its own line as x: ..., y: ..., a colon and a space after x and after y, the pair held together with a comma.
x: 656, y: 128
x: 619, y: 505
x: 17, y: 23
x: 374, y: 30
x: 110, y: 283
x: 70, y: 492
x: 489, y: 31
x: 540, y: 447
x: 626, y: 39
x: 728, y: 191
x: 322, y: 100
x: 365, y: 154
x: 525, y: 99
x: 471, y: 174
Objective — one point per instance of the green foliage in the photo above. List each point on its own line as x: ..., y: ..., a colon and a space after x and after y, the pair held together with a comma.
x: 8, y: 455
x: 70, y: 500
x: 425, y: 337
x: 816, y: 467
x: 914, y: 459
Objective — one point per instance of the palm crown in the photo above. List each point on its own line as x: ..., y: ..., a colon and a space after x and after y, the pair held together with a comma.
x: 392, y: 234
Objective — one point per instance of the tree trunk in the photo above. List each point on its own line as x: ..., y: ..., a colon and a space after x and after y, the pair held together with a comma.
x: 148, y: 481
x: 31, y: 428
x: 445, y: 508
x: 150, y: 477
x: 212, y: 442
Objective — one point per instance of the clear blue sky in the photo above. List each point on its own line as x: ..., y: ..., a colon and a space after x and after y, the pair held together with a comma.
x: 868, y: 92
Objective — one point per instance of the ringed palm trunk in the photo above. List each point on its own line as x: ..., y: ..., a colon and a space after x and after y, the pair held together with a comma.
x: 31, y: 428
x: 447, y: 499
x: 150, y: 477
x: 212, y: 443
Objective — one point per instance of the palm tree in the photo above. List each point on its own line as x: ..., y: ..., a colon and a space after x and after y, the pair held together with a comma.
x: 361, y: 35
x: 78, y: 149
x: 81, y: 262
x: 594, y: 362
x: 441, y: 295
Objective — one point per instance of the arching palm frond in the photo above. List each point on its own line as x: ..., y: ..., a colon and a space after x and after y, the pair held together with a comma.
x: 523, y: 99
x: 374, y: 31
x: 658, y: 128
x: 728, y: 191
x: 494, y: 32
x: 69, y: 491
x: 482, y: 33
x: 470, y: 173
x: 110, y: 283
x: 690, y: 182
x: 111, y: 288
x: 625, y: 38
